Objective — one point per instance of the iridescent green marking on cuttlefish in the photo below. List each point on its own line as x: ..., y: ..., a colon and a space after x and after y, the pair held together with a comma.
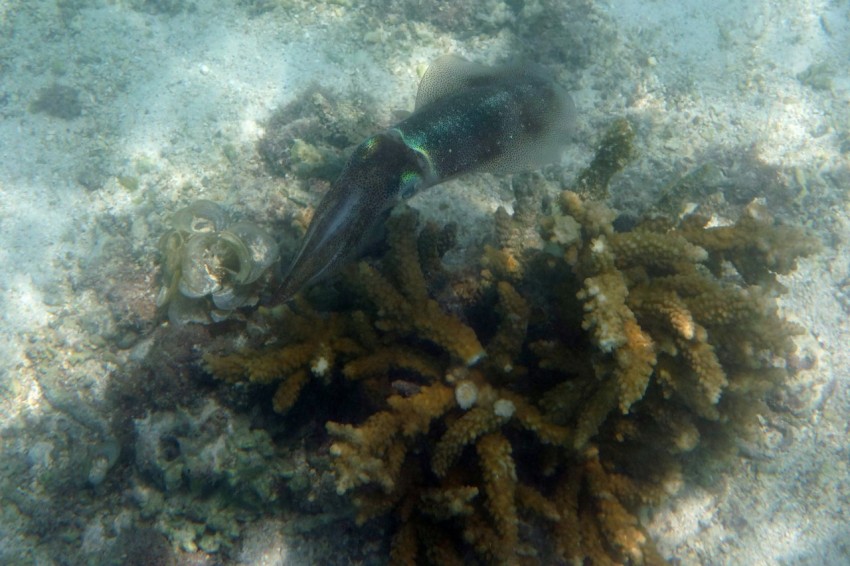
x: 369, y: 145
x: 413, y: 178
x: 468, y: 117
x: 409, y: 181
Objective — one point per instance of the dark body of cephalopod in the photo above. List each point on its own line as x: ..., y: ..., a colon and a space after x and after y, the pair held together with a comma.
x: 468, y: 117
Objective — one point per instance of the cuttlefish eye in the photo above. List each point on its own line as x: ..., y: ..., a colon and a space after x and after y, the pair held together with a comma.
x: 410, y: 181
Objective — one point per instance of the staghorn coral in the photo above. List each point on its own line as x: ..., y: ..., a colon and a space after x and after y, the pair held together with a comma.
x: 614, y: 152
x: 313, y: 345
x: 432, y: 432
x: 565, y: 390
x: 500, y: 481
x: 757, y: 253
x: 676, y: 349
x: 594, y: 525
x: 653, y: 301
x: 407, y: 309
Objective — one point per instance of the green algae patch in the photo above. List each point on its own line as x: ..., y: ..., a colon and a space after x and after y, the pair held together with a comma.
x: 59, y: 101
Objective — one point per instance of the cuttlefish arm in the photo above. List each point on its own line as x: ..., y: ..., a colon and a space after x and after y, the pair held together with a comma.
x: 468, y: 117
x: 380, y: 171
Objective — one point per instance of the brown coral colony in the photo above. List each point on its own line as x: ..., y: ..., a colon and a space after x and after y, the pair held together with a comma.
x: 597, y: 366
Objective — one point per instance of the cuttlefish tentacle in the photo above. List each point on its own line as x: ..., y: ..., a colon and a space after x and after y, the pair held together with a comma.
x: 468, y: 117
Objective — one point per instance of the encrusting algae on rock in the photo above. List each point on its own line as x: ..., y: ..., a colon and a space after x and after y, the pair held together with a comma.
x: 563, y: 390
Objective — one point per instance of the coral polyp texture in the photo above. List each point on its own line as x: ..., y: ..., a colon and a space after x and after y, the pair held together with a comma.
x: 529, y: 414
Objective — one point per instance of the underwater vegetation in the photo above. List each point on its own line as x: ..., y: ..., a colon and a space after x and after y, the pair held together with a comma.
x: 211, y: 266
x: 59, y: 101
x: 526, y: 410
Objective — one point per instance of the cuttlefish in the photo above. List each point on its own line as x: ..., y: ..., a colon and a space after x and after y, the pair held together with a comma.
x: 468, y: 117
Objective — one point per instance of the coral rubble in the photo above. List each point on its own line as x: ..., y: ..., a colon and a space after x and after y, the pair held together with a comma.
x: 330, y: 122
x: 202, y: 471
x: 564, y: 386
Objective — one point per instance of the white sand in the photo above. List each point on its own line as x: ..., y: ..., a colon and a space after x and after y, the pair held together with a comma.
x: 162, y: 95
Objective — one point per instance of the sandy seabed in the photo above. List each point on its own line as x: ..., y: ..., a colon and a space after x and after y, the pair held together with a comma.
x: 162, y: 103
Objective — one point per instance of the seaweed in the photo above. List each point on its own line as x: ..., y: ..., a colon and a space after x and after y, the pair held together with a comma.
x: 59, y: 101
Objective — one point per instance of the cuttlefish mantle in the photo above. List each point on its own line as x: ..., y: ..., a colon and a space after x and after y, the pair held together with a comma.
x: 468, y: 117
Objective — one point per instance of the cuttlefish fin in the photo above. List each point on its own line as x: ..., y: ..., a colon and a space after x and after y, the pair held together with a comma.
x: 447, y: 76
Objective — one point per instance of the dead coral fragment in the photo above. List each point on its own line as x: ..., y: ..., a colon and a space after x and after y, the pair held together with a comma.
x: 58, y: 101
x: 328, y: 121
